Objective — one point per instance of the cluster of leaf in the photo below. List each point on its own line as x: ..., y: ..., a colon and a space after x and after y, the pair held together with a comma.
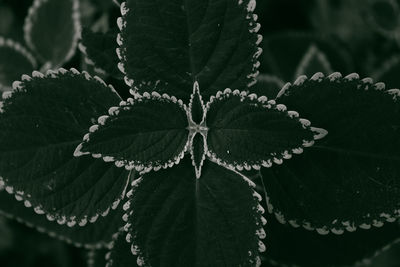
x: 176, y: 164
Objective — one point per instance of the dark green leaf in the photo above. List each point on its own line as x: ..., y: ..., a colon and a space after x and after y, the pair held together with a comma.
x: 283, y: 52
x: 174, y: 219
x: 15, y: 60
x: 246, y: 131
x: 92, y: 235
x: 99, y: 49
x: 350, y: 178
x: 42, y: 121
x: 198, y: 152
x: 267, y: 85
x: 144, y: 132
x: 299, y: 247
x: 166, y: 45
x: 52, y: 29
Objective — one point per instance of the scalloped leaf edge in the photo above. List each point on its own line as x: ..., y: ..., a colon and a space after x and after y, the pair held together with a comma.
x: 135, y: 250
x: 113, y: 111
x: 253, y: 26
x: 70, y: 221
x: 364, y: 84
x: 28, y: 24
x: 52, y: 234
x: 268, y: 104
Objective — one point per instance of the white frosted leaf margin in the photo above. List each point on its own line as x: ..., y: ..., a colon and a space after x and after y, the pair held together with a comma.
x: 70, y: 221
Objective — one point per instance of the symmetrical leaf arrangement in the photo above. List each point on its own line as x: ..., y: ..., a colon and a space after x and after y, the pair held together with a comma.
x: 187, y: 152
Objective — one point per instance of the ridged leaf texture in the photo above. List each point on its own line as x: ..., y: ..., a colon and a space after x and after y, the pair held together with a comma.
x: 350, y: 178
x: 43, y: 119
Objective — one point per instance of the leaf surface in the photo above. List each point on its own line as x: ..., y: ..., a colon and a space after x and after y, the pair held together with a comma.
x: 15, y: 60
x: 299, y: 247
x: 350, y: 178
x: 168, y: 45
x: 246, y: 131
x: 99, y: 49
x: 174, y: 219
x: 145, y: 132
x: 93, y: 235
x: 43, y: 120
x: 52, y: 29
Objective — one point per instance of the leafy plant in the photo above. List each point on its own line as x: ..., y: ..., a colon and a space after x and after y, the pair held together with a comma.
x: 175, y: 173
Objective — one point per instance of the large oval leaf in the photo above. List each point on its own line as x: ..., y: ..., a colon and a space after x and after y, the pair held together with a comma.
x: 94, y: 235
x: 351, y: 178
x: 42, y: 121
x: 174, y: 219
x: 144, y: 132
x: 15, y: 60
x: 246, y: 131
x: 167, y: 45
x: 52, y: 30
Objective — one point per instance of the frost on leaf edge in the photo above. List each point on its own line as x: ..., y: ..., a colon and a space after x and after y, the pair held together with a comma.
x: 366, y: 83
x: 268, y: 104
x: 70, y: 221
x: 136, y: 251
x: 28, y: 24
x: 253, y: 27
x: 114, y: 111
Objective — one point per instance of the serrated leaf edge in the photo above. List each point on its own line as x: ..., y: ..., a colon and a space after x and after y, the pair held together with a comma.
x: 311, y: 52
x: 253, y: 26
x: 51, y: 234
x: 28, y: 24
x: 135, y: 250
x: 268, y: 104
x: 70, y: 221
x: 113, y: 111
x: 363, y: 84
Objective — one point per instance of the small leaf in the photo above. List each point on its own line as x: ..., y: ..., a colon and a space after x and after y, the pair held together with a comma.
x: 214, y: 43
x: 389, y: 72
x: 298, y: 247
x: 52, y: 29
x: 196, y: 105
x: 174, y: 219
x: 313, y: 61
x: 283, y: 52
x: 99, y: 49
x: 267, y: 85
x: 42, y: 121
x: 349, y: 179
x: 144, y: 132
x: 15, y: 60
x: 249, y: 132
x: 92, y: 235
x: 198, y: 152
